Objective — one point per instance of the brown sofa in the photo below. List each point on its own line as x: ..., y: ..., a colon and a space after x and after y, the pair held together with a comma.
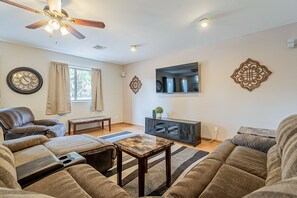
x: 19, y: 122
x: 99, y: 153
x: 241, y: 167
x: 75, y: 181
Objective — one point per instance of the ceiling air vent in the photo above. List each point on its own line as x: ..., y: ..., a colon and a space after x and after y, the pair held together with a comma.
x: 99, y: 47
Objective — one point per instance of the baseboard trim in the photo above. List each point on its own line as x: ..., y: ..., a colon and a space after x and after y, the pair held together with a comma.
x: 208, y: 139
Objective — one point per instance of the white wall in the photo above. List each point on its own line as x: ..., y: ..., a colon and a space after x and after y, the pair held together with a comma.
x: 222, y: 102
x: 12, y: 56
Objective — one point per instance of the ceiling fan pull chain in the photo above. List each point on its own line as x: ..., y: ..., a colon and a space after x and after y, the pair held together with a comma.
x: 56, y: 36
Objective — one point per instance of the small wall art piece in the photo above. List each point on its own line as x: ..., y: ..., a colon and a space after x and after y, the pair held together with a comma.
x: 251, y: 74
x: 135, y: 84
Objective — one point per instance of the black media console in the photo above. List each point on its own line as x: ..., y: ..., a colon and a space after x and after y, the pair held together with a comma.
x: 185, y: 131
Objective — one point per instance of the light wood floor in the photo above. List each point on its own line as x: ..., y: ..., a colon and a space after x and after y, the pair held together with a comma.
x: 205, y: 145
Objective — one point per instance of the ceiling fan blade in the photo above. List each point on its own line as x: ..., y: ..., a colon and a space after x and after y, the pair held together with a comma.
x: 37, y: 24
x: 74, y: 32
x: 21, y: 6
x: 55, y: 5
x: 96, y: 24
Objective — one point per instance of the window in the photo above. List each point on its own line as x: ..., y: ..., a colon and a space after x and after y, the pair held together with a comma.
x: 80, y: 84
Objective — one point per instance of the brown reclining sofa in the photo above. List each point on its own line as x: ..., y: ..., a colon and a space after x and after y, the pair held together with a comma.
x: 246, y: 166
x: 19, y: 122
x: 76, y: 181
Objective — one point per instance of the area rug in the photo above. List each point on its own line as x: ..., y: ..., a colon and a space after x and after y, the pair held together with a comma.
x: 183, y: 159
x: 118, y: 136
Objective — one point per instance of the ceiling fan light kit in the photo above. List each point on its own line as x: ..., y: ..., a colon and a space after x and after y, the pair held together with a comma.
x: 204, y: 22
x: 64, y: 31
x: 58, y: 19
x: 49, y: 30
x: 133, y: 48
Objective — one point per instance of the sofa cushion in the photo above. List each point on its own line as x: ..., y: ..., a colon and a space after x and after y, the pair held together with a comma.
x: 30, y: 154
x: 15, y: 117
x: 25, y: 142
x: 282, y: 189
x: 13, y: 193
x: 26, y: 130
x: 46, y: 122
x: 286, y: 129
x: 259, y: 143
x: 57, y: 130
x: 232, y: 182
x: 249, y: 160
x: 78, y: 181
x: 92, y: 182
x: 8, y: 176
x: 273, y: 166
x: 194, y: 183
x: 222, y: 152
x: 59, y: 184
x: 82, y: 144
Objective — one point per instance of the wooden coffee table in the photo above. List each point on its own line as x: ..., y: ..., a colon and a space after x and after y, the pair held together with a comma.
x: 142, y: 147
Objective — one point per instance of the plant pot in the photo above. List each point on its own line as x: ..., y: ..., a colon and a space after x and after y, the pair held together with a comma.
x: 159, y: 115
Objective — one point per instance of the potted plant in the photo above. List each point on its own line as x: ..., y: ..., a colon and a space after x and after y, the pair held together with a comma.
x: 159, y: 111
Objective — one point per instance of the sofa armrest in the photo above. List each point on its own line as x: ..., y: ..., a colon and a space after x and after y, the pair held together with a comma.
x: 38, y: 169
x: 31, y: 130
x: 46, y: 122
x: 25, y: 142
x: 259, y: 143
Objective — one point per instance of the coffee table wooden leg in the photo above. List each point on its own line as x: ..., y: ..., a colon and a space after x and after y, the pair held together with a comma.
x: 74, y: 129
x: 141, y: 176
x: 119, y: 167
x: 168, y: 166
x: 102, y: 124
x: 69, y: 128
x: 145, y: 165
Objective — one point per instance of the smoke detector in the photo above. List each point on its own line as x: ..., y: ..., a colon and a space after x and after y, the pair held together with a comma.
x: 99, y: 47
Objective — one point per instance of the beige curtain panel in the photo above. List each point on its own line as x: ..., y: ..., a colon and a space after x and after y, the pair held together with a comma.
x: 97, y: 99
x: 58, y: 99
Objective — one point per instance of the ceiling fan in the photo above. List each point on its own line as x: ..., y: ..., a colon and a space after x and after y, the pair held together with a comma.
x: 58, y: 19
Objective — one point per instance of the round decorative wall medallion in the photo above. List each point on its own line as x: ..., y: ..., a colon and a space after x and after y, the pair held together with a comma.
x: 24, y: 80
x: 135, y: 84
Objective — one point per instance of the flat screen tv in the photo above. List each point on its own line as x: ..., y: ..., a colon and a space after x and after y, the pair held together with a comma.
x: 178, y: 79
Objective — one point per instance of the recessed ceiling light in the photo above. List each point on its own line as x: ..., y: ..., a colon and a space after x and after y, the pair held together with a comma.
x: 99, y: 47
x: 204, y: 22
x: 133, y: 48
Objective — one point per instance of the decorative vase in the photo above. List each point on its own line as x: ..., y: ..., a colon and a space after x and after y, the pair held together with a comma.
x: 154, y: 114
x: 159, y: 115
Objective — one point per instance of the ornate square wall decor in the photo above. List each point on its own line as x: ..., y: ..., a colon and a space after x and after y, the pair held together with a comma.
x: 251, y: 74
x: 135, y: 84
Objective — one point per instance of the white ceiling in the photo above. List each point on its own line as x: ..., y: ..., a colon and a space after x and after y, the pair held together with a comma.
x: 158, y: 26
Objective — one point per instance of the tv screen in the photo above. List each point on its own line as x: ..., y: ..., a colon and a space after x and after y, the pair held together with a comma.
x: 178, y: 79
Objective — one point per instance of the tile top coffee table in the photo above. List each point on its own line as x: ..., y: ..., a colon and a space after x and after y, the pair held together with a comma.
x: 142, y: 147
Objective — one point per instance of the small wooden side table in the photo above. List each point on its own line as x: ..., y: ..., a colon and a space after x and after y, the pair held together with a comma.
x: 79, y: 121
x: 142, y: 147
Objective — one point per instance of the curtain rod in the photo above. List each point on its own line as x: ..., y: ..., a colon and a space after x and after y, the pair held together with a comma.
x: 77, y: 66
